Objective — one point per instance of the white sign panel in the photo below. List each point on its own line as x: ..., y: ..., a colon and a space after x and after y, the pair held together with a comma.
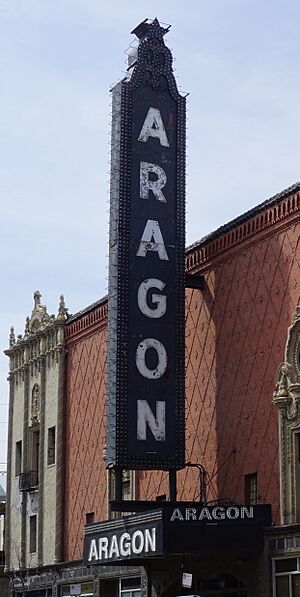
x: 187, y: 580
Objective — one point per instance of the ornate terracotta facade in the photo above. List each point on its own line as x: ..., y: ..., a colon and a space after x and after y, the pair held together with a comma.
x: 35, y: 481
x: 235, y: 339
x: 287, y: 398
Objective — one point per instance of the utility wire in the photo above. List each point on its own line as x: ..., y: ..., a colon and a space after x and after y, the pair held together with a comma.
x: 233, y: 451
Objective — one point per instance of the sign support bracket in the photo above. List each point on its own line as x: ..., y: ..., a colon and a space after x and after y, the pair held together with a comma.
x: 196, y: 282
x: 172, y: 485
x: 118, y: 484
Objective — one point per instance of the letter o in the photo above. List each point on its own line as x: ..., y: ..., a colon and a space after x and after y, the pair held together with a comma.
x: 161, y: 356
x: 235, y: 514
x: 137, y: 548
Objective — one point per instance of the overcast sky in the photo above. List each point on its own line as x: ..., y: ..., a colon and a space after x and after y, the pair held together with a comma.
x: 238, y: 59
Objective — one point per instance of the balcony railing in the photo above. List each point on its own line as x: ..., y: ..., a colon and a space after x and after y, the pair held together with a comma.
x: 28, y: 480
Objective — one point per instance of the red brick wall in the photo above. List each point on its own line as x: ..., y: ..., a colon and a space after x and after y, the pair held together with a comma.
x: 236, y: 331
x: 85, y: 479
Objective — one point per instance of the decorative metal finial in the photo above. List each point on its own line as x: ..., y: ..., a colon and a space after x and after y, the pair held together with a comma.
x: 62, y: 309
x: 150, y: 29
x: 27, y: 327
x: 37, y: 298
x: 12, y: 337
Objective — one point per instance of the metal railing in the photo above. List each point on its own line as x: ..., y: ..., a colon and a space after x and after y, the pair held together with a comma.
x: 28, y: 480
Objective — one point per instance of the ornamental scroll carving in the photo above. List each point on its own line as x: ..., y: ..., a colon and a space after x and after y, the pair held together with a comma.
x: 287, y: 398
x: 35, y: 403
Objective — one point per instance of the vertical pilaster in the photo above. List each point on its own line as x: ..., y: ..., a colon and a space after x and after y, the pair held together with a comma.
x: 8, y: 542
x: 26, y: 465
x: 41, y: 460
x: 60, y: 455
x: 146, y: 581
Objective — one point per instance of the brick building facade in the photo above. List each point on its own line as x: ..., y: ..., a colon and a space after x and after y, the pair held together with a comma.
x: 236, y: 333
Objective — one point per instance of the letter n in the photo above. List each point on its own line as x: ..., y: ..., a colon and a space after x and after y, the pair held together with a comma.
x: 156, y: 423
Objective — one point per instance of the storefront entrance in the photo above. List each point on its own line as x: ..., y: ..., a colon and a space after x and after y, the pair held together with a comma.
x: 212, y: 586
x: 220, y: 586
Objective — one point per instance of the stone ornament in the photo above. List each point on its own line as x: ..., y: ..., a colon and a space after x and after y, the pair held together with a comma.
x: 35, y: 403
x: 287, y: 398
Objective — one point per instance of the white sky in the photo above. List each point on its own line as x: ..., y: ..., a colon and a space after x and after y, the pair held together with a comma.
x: 238, y: 59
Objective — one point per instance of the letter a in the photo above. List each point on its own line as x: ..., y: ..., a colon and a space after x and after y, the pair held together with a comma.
x: 152, y: 240
x: 153, y: 127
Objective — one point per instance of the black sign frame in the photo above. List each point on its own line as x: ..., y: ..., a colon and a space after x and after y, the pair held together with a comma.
x: 151, y: 86
x: 181, y: 527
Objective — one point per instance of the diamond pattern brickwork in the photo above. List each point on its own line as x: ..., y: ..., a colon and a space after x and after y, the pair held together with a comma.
x: 85, y: 482
x: 235, y: 337
x: 236, y: 331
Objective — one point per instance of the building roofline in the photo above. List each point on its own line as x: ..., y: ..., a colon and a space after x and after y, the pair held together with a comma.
x: 210, y: 237
x: 245, y: 216
x: 87, y: 310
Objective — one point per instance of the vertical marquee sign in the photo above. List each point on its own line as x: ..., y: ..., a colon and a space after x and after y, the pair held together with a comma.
x: 145, y: 410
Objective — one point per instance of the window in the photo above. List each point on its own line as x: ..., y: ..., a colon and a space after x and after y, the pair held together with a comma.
x: 85, y: 589
x: 126, y: 485
x: 297, y: 472
x: 130, y: 587
x: 32, y: 535
x: 127, y: 488
x: 298, y: 447
x: 35, y: 451
x: 251, y: 489
x: 51, y: 446
x: 18, y: 464
x: 286, y: 577
x: 89, y: 517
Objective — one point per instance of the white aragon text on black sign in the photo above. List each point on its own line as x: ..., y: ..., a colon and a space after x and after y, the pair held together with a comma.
x: 215, y: 513
x: 122, y: 545
x: 152, y: 240
x: 146, y: 297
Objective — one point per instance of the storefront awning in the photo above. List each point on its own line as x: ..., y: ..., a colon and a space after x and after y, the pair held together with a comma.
x: 176, y: 528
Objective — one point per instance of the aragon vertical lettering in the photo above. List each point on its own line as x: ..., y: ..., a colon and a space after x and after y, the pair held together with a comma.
x: 146, y: 278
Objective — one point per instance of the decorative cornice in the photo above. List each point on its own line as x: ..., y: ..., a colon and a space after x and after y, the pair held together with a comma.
x: 85, y: 321
x: 38, y: 328
x: 27, y: 342
x: 274, y: 211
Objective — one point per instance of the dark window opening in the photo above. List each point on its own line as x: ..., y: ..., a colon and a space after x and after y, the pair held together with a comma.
x: 51, y: 446
x: 35, y: 451
x: 89, y: 517
x: 251, y: 495
x: 32, y: 536
x: 18, y: 464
